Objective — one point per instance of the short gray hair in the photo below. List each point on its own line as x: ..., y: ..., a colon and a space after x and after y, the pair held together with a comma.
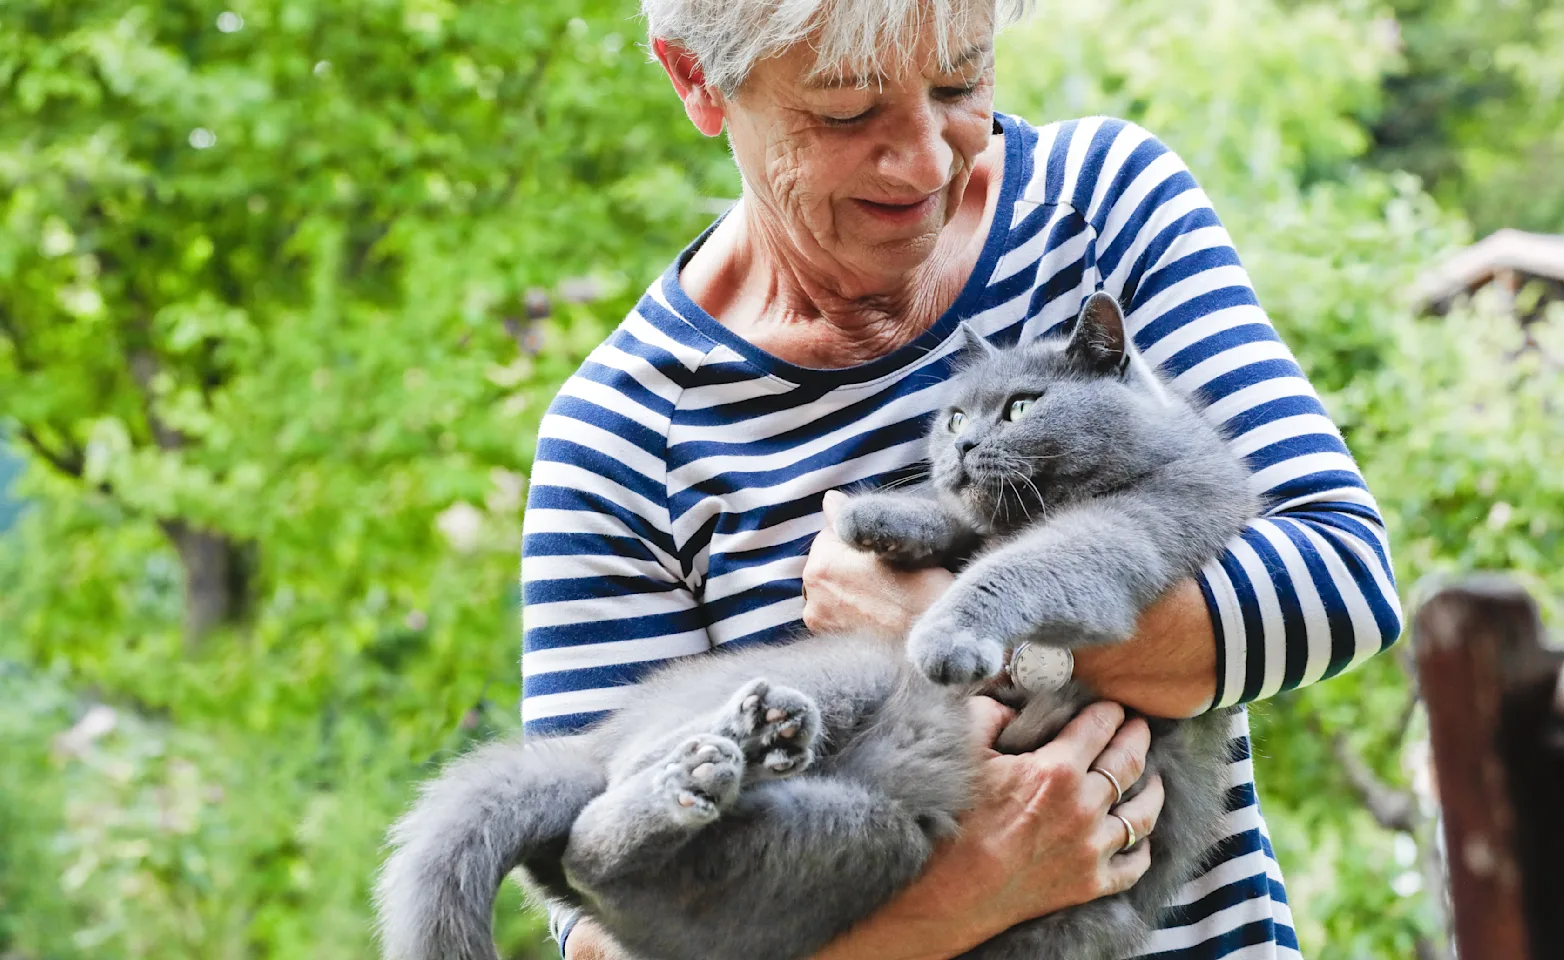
x: 862, y: 37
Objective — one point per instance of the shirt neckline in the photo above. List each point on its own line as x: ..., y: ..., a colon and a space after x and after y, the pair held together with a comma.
x: 966, y: 304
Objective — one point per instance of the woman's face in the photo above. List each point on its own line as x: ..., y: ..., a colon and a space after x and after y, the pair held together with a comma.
x: 859, y: 178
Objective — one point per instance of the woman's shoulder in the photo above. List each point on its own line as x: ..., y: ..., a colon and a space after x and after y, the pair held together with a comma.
x: 632, y: 382
x: 1090, y: 163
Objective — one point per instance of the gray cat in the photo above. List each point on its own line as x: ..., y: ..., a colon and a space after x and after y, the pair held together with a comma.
x: 756, y: 804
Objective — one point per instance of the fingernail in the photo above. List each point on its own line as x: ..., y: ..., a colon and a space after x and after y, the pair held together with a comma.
x: 833, y: 498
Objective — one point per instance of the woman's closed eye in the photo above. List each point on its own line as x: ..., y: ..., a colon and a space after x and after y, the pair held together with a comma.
x: 857, y: 118
x: 949, y: 94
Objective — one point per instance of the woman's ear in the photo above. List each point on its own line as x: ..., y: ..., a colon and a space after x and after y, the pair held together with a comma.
x: 701, y: 102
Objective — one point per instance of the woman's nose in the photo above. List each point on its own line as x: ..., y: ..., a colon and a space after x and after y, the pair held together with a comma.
x: 919, y: 157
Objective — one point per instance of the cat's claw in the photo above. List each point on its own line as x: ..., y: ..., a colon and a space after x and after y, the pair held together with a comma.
x: 952, y: 656
x: 701, y: 777
x: 775, y: 727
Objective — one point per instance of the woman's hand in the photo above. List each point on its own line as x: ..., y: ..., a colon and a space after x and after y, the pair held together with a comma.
x: 588, y: 941
x: 1040, y: 839
x: 850, y: 590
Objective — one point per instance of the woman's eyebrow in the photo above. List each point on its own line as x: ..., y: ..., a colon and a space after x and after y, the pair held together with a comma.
x: 972, y: 55
x: 826, y: 78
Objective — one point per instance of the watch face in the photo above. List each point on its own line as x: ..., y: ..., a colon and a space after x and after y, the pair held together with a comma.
x: 1038, y: 668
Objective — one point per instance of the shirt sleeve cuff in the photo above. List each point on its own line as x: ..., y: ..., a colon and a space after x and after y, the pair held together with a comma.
x: 1227, y: 626
x: 561, y: 920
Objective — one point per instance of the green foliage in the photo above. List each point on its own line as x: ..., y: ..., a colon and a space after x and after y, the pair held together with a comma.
x: 1478, y: 108
x: 166, y: 842
x: 303, y: 275
x: 274, y: 272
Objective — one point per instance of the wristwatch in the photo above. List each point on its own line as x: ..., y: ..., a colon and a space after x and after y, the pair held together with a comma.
x: 1040, y: 669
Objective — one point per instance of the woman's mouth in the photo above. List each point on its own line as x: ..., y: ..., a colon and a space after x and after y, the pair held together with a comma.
x: 899, y: 212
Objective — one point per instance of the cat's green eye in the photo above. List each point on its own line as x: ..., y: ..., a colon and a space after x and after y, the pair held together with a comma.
x: 1019, y: 407
x: 957, y: 421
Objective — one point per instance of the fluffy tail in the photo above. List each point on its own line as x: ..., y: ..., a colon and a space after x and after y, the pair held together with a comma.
x: 501, y: 806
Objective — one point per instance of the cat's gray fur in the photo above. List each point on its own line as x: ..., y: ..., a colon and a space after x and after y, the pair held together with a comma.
x: 756, y: 804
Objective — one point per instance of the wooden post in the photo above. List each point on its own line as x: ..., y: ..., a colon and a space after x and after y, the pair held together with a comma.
x: 1492, y: 689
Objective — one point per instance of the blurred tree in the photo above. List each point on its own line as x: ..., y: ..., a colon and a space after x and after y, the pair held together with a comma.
x: 284, y: 286
x: 247, y: 250
x: 1477, y: 108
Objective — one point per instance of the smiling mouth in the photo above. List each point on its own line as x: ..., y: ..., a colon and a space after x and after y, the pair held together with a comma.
x: 899, y: 212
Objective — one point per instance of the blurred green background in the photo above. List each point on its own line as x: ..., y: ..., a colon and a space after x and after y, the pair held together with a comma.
x: 286, y: 284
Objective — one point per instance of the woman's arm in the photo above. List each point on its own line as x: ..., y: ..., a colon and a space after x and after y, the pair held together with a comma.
x: 1167, y: 670
x: 1307, y: 591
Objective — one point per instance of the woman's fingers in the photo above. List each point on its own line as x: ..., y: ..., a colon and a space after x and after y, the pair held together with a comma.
x: 989, y: 718
x: 1120, y: 764
x: 1121, y: 872
x: 1141, y: 811
x: 1085, y: 737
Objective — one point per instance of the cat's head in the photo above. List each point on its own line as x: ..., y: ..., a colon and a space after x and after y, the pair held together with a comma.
x: 1034, y: 427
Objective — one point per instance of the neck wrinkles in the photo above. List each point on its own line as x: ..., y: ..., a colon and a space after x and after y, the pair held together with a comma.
x: 789, y: 298
x: 753, y: 280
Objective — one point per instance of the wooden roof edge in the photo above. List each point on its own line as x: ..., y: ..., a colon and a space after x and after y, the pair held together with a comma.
x: 1537, y: 254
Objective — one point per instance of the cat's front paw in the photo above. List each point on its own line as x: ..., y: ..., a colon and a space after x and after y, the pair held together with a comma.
x: 775, y: 727
x: 951, y: 653
x: 701, y: 777
x: 904, y: 530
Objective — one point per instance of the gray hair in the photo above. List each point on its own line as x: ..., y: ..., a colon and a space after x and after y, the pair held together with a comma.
x: 855, y: 37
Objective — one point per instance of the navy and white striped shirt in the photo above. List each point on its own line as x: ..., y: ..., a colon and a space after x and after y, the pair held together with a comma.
x: 679, y: 474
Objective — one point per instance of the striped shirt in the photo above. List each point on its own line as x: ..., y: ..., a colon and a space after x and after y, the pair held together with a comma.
x: 679, y: 473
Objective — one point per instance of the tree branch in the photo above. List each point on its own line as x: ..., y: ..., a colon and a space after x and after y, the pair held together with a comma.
x: 73, y: 462
x: 1392, y: 809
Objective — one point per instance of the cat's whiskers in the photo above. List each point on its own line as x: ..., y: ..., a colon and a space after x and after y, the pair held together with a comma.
x: 1022, y: 502
x: 915, y: 478
x: 1035, y: 492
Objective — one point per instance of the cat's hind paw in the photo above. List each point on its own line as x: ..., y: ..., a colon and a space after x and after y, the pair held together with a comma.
x: 701, y: 777
x: 776, y: 727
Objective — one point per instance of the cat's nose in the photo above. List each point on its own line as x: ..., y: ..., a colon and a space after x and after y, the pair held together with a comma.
x: 965, y: 443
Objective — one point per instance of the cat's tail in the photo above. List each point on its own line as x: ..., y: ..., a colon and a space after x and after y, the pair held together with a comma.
x: 499, y: 807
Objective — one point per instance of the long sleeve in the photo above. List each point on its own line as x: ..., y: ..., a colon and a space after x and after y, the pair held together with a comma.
x: 1307, y: 591
x: 605, y: 597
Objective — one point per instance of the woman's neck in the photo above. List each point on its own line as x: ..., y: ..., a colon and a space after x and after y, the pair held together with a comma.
x: 749, y: 280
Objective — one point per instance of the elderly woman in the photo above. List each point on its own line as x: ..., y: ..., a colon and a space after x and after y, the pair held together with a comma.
x: 685, y: 479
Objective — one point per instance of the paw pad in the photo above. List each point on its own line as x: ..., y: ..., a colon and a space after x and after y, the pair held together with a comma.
x: 775, y: 727
x: 703, y: 775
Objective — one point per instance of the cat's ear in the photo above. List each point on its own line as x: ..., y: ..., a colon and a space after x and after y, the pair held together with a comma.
x: 1100, y: 342
x: 976, y: 347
